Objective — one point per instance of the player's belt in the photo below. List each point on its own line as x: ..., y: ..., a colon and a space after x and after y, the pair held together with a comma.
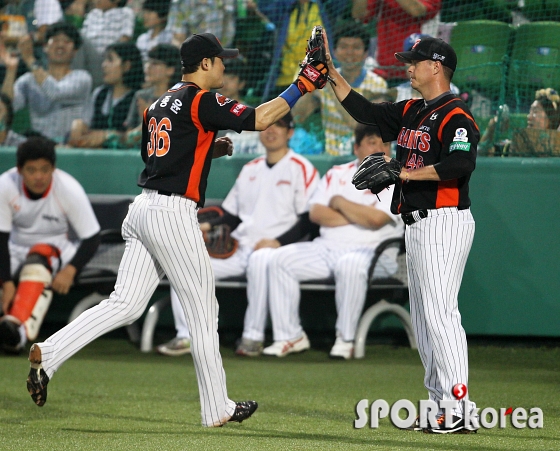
x: 165, y: 193
x: 415, y: 216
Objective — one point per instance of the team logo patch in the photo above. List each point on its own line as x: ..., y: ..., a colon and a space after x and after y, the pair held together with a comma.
x: 460, y: 146
x: 433, y: 117
x: 238, y: 108
x: 416, y: 43
x: 437, y: 56
x: 461, y: 135
x: 222, y: 100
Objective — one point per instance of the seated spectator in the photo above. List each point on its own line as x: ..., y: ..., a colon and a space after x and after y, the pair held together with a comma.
x: 540, y: 138
x: 404, y: 90
x: 267, y: 208
x: 352, y: 224
x: 105, y: 114
x: 188, y: 17
x: 154, y: 13
x: 38, y: 206
x: 351, y: 45
x: 109, y: 22
x: 7, y: 136
x: 294, y: 20
x: 234, y: 83
x: 396, y: 20
x: 55, y: 95
x: 162, y: 71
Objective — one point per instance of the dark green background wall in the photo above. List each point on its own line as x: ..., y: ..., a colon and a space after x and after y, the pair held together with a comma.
x: 512, y: 280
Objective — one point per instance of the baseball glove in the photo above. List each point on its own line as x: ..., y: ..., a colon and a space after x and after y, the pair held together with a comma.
x: 375, y: 174
x: 314, y: 73
x: 219, y: 242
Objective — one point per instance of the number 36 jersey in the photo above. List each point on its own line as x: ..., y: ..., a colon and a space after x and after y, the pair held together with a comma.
x: 178, y: 135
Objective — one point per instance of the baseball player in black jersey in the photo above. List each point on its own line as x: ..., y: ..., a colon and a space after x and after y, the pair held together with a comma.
x: 437, y: 141
x: 161, y: 229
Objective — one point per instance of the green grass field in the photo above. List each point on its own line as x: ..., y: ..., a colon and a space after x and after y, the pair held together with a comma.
x: 112, y: 397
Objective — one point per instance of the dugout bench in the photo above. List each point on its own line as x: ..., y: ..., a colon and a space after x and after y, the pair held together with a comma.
x: 100, y: 275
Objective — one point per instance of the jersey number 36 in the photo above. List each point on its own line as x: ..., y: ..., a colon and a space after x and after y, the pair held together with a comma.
x: 159, y: 138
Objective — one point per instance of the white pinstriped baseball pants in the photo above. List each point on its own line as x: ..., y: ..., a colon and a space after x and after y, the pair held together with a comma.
x: 316, y: 259
x: 245, y: 262
x: 162, y: 237
x: 437, y: 249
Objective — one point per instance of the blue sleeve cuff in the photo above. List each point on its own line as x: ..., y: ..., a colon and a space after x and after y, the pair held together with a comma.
x: 291, y: 95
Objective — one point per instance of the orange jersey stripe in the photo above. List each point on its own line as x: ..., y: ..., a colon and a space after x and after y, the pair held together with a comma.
x: 447, y: 118
x: 407, y: 106
x: 447, y: 194
x: 203, y: 143
x: 307, y: 181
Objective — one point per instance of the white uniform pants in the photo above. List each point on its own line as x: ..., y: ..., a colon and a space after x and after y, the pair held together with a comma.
x: 162, y: 236
x: 245, y: 262
x: 437, y: 249
x: 312, y: 260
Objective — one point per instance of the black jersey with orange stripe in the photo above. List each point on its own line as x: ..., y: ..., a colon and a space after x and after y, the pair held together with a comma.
x: 426, y: 134
x: 178, y: 136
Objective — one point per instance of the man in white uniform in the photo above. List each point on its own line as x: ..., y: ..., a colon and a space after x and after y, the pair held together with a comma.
x: 38, y: 205
x: 267, y: 207
x: 353, y: 223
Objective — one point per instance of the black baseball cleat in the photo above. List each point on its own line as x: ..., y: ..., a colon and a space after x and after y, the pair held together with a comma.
x: 9, y: 336
x: 37, y: 380
x: 243, y: 410
x: 457, y: 427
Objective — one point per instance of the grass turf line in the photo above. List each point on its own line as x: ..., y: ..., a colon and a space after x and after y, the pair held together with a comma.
x: 112, y: 397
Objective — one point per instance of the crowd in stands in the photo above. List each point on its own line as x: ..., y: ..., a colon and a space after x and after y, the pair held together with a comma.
x: 81, y: 72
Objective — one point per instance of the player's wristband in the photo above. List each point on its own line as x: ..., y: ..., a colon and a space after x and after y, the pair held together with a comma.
x: 291, y: 95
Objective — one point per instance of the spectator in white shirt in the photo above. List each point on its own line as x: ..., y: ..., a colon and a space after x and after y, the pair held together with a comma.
x: 154, y: 14
x: 109, y: 22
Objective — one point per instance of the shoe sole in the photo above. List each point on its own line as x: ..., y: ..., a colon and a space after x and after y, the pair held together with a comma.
x: 38, y: 394
x: 171, y: 353
x: 460, y: 430
x: 291, y: 351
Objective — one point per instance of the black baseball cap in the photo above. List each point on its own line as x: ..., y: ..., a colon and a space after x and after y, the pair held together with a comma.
x: 203, y: 45
x: 428, y: 48
x: 286, y: 121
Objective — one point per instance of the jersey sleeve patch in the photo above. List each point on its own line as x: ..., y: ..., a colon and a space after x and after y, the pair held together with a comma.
x: 461, y: 135
x: 222, y: 100
x: 460, y: 146
x: 238, y: 108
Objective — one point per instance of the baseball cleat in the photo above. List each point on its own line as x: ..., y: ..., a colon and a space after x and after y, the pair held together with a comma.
x: 249, y: 348
x: 243, y: 410
x: 176, y: 347
x: 457, y: 427
x: 37, y: 380
x: 342, y: 349
x: 10, y: 339
x: 285, y: 347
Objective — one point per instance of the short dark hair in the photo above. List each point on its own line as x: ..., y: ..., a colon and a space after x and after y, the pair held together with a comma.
x: 65, y: 28
x: 9, y: 109
x: 362, y: 130
x: 127, y: 51
x: 192, y: 68
x: 351, y: 29
x: 35, y: 148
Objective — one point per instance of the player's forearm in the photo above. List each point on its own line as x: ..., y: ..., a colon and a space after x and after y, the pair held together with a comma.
x: 426, y: 173
x: 362, y: 215
x: 268, y: 113
x: 326, y: 216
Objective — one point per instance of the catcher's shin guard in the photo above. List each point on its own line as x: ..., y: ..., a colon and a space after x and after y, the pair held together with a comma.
x: 32, y: 298
x: 33, y: 295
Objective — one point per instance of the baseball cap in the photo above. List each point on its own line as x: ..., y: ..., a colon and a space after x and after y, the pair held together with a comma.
x: 411, y: 40
x: 286, y: 121
x: 203, y: 45
x: 429, y: 48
